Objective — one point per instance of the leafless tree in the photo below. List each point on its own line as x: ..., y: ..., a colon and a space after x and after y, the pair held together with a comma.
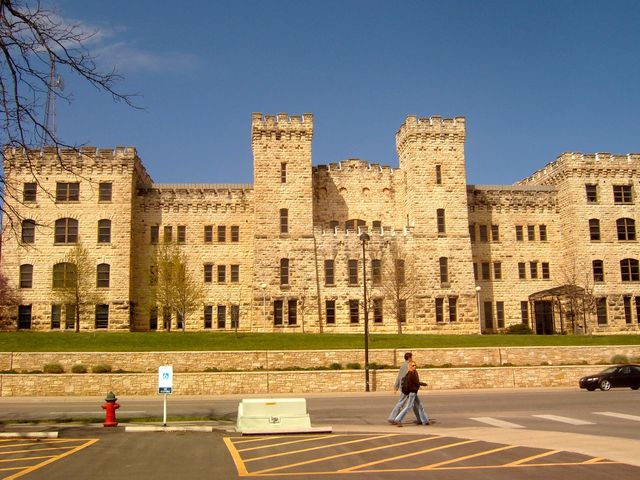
x: 398, y: 283
x: 9, y: 300
x: 578, y: 294
x: 34, y: 41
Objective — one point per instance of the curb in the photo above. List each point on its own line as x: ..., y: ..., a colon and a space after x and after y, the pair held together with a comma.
x: 29, y: 435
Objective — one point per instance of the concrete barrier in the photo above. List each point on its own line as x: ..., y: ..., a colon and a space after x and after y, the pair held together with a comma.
x: 275, y: 415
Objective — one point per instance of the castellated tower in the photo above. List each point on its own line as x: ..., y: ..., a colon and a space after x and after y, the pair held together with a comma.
x: 431, y: 154
x: 283, y: 197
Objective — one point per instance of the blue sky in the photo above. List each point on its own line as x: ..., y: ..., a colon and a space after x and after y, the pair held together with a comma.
x: 533, y: 79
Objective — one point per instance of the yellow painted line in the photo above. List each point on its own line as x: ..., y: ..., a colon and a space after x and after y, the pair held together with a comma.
x: 51, y: 460
x: 356, y: 452
x: 595, y: 460
x: 311, y: 449
x: 24, y: 459
x: 255, y: 438
x: 237, y: 459
x: 406, y: 455
x: 8, y: 469
x: 308, y: 439
x: 532, y: 457
x: 38, y: 442
x: 467, y: 457
x: 35, y: 450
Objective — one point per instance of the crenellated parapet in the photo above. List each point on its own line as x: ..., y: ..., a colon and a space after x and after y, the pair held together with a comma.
x: 506, y: 197
x: 281, y: 126
x: 212, y: 197
x: 581, y: 164
x: 416, y: 129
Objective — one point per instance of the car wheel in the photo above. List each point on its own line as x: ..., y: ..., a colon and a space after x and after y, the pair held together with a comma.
x: 591, y: 389
x: 634, y: 388
x: 605, y: 385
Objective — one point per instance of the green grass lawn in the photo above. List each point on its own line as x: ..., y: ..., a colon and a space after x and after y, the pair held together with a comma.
x: 216, y: 341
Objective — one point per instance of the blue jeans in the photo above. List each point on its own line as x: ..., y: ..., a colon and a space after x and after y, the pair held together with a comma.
x: 412, y: 402
x: 396, y: 409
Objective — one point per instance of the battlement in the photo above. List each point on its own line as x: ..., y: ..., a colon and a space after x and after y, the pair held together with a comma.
x: 273, y: 126
x: 430, y: 127
x: 353, y: 164
x: 81, y: 153
x: 583, y: 161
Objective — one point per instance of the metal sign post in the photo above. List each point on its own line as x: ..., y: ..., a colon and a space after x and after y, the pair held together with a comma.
x: 165, y: 386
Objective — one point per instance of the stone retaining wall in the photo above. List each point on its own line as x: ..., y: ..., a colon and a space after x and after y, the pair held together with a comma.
x: 285, y: 382
x: 269, y: 360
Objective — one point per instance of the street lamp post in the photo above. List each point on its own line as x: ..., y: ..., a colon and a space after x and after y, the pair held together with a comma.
x: 364, y: 238
x: 479, y: 314
x: 263, y: 286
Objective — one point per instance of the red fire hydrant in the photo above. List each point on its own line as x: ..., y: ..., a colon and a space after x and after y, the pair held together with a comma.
x: 110, y: 407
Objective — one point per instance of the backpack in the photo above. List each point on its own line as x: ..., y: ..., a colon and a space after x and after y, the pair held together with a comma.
x: 404, y: 384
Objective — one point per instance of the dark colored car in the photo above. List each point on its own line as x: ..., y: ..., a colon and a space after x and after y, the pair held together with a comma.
x: 620, y: 376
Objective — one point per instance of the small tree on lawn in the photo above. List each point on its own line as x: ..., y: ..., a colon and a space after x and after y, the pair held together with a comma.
x: 9, y: 300
x: 398, y: 283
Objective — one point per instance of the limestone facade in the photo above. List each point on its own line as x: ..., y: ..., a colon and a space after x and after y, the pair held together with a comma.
x: 285, y: 253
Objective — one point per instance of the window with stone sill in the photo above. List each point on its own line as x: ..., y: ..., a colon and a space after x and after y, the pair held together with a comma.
x: 29, y: 192
x: 591, y: 191
x: 103, y: 273
x: 105, y: 191
x: 330, y: 311
x: 353, y: 272
x: 495, y: 233
x: 26, y: 276
x: 329, y: 278
x: 28, y: 234
x: 630, y: 270
x: 623, y: 194
x: 208, y: 233
x: 497, y: 270
x: 598, y: 271
x: 626, y: 228
x: 453, y: 309
x: 67, y: 191
x: 594, y: 229
x: 542, y: 230
x: 482, y: 230
x: 66, y: 230
x: 354, y: 311
x: 519, y: 233
x: 377, y: 310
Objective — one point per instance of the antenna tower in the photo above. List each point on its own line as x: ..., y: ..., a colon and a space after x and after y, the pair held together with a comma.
x: 55, y: 83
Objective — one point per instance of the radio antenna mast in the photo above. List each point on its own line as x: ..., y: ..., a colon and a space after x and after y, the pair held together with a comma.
x: 55, y: 83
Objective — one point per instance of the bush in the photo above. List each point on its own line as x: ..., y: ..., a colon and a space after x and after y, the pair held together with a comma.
x: 353, y: 366
x: 335, y: 366
x: 620, y: 359
x: 79, y: 368
x: 211, y: 369
x: 518, y: 329
x: 53, y: 368
x: 101, y: 369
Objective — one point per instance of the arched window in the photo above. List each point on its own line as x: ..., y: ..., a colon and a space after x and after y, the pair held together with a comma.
x: 598, y: 271
x: 103, y: 272
x: 28, y: 231
x: 26, y: 276
x: 104, y: 231
x: 626, y: 228
x: 284, y: 271
x: 594, y: 229
x: 629, y: 270
x: 66, y: 230
x: 64, y: 275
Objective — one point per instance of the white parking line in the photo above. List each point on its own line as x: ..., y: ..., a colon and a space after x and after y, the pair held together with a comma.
x: 558, y: 418
x: 635, y: 418
x: 496, y: 423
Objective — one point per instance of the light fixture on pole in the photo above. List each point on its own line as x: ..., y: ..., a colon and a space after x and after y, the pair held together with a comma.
x: 364, y: 238
x: 479, y: 315
x: 263, y: 286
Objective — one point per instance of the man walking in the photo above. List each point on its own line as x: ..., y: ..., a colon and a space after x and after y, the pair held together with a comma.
x: 413, y: 384
x: 404, y: 369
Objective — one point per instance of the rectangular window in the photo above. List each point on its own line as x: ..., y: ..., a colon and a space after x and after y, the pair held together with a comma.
x: 154, y: 234
x: 453, y: 309
x: 235, y: 273
x: 627, y: 310
x: 104, y: 191
x: 222, y: 233
x: 601, y: 310
x: 482, y: 230
x: 495, y: 233
x: 292, y: 312
x: 329, y: 278
x: 284, y: 271
x: 28, y: 234
x: 354, y: 311
x: 500, y: 314
x: 283, y: 172
x: 497, y: 270
x: 439, y: 310
x: 598, y: 271
x: 104, y: 231
x: 594, y: 230
x: 402, y: 311
x: 623, y: 194
x: 377, y: 310
x: 222, y: 316
x: 472, y: 232
x: 524, y: 312
x: 592, y: 193
x: 168, y: 234
x: 488, y: 315
x: 637, y: 299
x: 440, y: 221
x: 235, y: 316
x: 67, y: 192
x: 376, y: 272
x: 102, y: 316
x: 475, y: 271
x: 277, y: 312
x: 542, y: 229
x: 486, y: 272
x: 208, y: 233
x: 353, y: 272
x: 29, y: 192
x: 24, y: 317
x: 533, y: 269
x: 235, y: 233
x: 182, y: 233
x: 208, y: 273
x: 330, y: 311
x: 208, y: 316
x: 26, y: 276
x: 376, y: 226
x: 545, y: 270
x: 284, y: 221
x: 166, y: 318
x: 438, y: 174
x: 519, y: 233
x: 444, y: 270
x: 56, y: 316
x: 180, y: 320
x: 400, y: 271
x: 531, y: 232
x: 153, y: 318
x: 222, y: 273
x: 69, y: 317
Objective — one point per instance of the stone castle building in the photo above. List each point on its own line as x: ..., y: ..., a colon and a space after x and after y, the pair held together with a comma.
x: 557, y: 251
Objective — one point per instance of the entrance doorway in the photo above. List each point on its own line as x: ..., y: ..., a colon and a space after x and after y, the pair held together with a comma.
x: 544, y: 317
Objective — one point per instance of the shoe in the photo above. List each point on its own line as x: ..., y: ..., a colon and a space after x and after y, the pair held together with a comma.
x: 417, y: 422
x: 392, y: 422
x: 427, y: 423
x: 398, y: 424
